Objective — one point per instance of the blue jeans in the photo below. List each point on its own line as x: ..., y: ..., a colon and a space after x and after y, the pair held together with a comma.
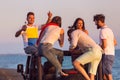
x: 47, y: 50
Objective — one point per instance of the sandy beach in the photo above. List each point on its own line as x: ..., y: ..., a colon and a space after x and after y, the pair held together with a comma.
x: 9, y: 74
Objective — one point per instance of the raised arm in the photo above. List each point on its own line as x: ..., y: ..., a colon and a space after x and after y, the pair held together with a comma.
x: 48, y: 20
x: 49, y: 17
x: 17, y: 34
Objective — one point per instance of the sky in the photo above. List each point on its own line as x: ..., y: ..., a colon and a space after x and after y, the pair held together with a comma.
x: 13, y: 15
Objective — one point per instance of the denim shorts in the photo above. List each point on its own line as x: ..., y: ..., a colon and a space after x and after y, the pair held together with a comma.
x: 31, y: 50
x: 107, y: 63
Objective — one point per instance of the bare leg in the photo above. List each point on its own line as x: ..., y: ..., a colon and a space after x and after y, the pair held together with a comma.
x: 110, y: 77
x: 100, y: 75
x: 92, y: 77
x: 107, y: 77
x: 104, y: 77
x: 81, y: 69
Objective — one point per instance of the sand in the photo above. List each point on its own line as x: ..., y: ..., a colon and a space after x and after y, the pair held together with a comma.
x: 10, y: 74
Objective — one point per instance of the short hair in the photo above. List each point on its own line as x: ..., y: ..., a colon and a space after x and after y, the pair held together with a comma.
x: 30, y: 13
x: 98, y: 17
x: 57, y: 20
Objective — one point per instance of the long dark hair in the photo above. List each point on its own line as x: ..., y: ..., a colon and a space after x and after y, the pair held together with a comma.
x: 76, y: 21
x: 70, y: 30
x: 57, y: 20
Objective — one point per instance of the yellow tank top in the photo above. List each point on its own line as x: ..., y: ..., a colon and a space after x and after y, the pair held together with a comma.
x: 32, y: 32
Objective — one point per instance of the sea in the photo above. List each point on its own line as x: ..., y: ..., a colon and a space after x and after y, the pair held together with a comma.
x: 10, y: 61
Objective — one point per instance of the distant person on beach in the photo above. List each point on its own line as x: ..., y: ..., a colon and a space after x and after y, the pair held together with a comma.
x: 29, y: 31
x: 107, y: 42
x: 51, y: 33
x: 91, y: 51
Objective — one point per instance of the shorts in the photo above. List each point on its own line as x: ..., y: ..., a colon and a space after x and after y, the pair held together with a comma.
x: 107, y: 63
x: 31, y: 50
x: 93, y: 57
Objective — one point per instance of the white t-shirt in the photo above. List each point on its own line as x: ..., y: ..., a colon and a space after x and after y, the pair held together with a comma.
x: 51, y: 34
x: 106, y: 33
x: 81, y: 39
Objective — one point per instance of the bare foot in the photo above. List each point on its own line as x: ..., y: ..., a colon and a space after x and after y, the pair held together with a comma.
x: 63, y: 74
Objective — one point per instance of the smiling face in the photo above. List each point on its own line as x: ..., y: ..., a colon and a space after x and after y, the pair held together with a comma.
x: 30, y: 19
x: 79, y: 24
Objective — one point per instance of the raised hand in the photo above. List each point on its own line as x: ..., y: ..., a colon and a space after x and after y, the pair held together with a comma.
x: 24, y: 27
x: 49, y: 14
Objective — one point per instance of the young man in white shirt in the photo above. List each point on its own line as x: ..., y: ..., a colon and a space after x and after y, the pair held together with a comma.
x: 29, y: 31
x: 107, y: 42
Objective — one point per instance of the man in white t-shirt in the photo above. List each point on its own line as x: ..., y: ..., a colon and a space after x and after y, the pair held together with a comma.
x: 107, y: 42
x: 29, y: 31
